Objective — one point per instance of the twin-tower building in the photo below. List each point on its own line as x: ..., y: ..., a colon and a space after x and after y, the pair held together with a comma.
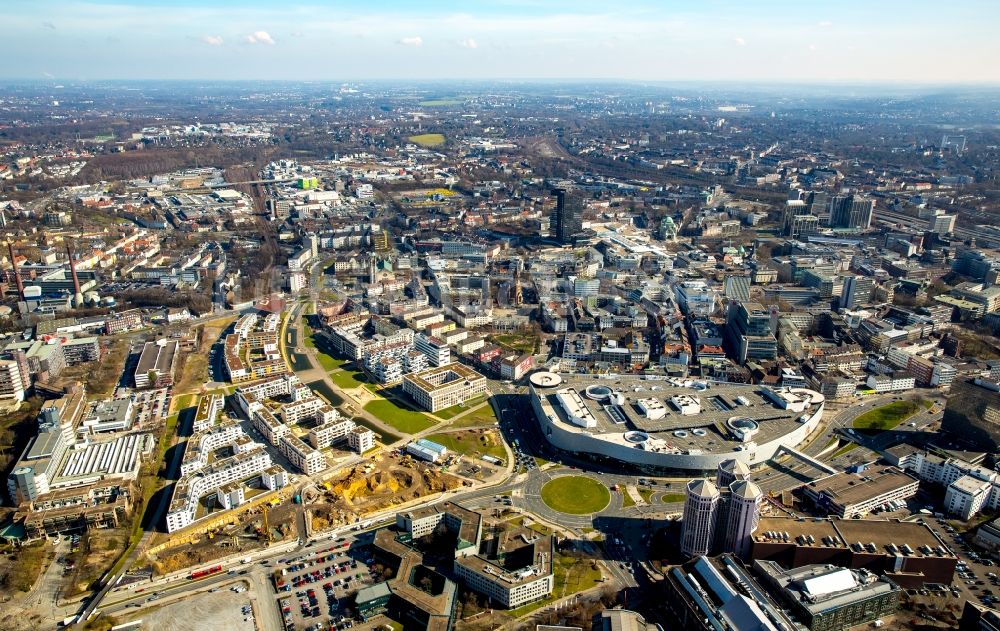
x: 721, y: 516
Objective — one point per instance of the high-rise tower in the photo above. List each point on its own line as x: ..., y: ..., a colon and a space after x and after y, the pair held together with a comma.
x: 566, y: 221
x: 700, y: 514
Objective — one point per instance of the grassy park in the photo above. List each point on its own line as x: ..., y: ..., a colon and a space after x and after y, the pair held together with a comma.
x: 575, y: 495
x: 455, y: 410
x: 406, y: 421
x: 427, y: 140
x: 886, y: 417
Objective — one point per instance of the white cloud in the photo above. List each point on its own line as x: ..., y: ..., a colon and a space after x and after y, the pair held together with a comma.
x: 824, y: 24
x: 212, y: 40
x: 48, y: 75
x: 740, y: 41
x: 49, y: 25
x: 259, y: 37
x: 416, y: 40
x: 468, y: 43
x: 812, y: 46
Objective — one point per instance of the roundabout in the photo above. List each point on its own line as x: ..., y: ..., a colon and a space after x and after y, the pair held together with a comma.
x: 575, y: 495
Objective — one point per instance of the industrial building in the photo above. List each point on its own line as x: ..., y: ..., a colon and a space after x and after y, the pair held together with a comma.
x: 155, y: 368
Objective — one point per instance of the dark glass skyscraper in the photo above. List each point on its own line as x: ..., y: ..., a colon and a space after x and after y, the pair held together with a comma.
x: 566, y: 221
x: 851, y: 211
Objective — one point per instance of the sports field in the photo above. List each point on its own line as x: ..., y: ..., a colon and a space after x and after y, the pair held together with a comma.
x: 427, y: 140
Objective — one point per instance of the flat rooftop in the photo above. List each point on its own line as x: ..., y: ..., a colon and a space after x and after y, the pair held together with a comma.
x: 852, y: 488
x: 718, y: 403
x: 842, y: 533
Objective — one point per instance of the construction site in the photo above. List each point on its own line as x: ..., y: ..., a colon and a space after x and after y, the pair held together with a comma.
x: 385, y: 481
x: 269, y: 519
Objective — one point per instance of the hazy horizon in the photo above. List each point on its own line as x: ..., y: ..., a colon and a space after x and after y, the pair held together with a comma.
x: 776, y: 41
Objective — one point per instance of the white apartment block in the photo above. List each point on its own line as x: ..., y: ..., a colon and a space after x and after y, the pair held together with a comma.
x: 330, y: 433
x: 308, y: 460
x: 361, y: 439
x: 191, y: 488
x: 245, y: 324
x: 437, y: 351
x: 209, y: 407
x: 891, y: 383
x: 966, y: 496
x: 963, y: 481
x: 204, y: 442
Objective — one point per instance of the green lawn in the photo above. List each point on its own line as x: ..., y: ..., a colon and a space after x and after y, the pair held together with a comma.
x: 571, y: 575
x: 647, y: 495
x: 575, y: 495
x: 455, y: 410
x: 476, y: 418
x: 406, y: 421
x: 470, y: 444
x: 886, y: 417
x: 348, y: 378
x: 427, y: 140
x: 627, y: 499
x: 672, y: 498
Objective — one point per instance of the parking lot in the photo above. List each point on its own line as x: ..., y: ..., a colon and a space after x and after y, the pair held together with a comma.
x: 976, y: 575
x: 315, y: 588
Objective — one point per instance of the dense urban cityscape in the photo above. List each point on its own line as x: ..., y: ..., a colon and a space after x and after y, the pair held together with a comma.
x: 552, y: 355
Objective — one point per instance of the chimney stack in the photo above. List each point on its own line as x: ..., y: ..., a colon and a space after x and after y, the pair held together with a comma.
x: 72, y: 268
x: 17, y: 274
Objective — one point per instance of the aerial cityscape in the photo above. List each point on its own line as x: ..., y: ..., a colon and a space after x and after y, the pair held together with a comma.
x: 522, y: 315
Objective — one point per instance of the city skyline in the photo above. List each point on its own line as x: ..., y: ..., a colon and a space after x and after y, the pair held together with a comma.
x: 775, y: 41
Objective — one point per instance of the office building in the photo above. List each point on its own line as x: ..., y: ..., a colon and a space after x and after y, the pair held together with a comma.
x: 730, y: 471
x: 972, y: 413
x: 909, y: 553
x: 857, y: 292
x: 850, y: 495
x: 719, y: 594
x: 701, y: 505
x: 737, y: 288
x: 828, y: 597
x: 741, y: 513
x: 798, y: 220
x: 566, y: 221
x: 852, y: 212
x: 749, y: 332
x: 441, y: 387
x: 942, y: 224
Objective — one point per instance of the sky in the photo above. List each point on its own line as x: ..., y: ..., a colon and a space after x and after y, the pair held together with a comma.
x: 914, y: 41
